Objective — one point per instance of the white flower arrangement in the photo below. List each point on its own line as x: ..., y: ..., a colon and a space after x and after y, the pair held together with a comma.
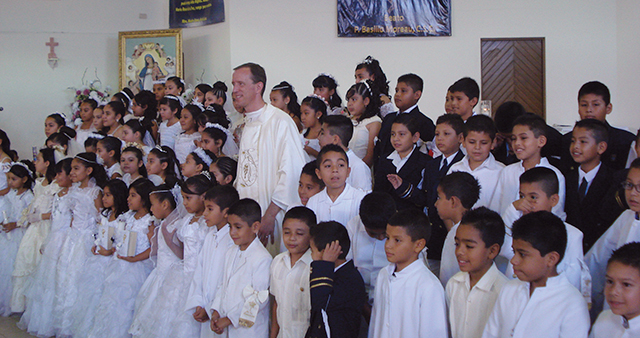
x: 91, y: 90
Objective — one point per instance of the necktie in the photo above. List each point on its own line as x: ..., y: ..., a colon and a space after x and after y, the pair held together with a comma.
x: 582, y: 190
x: 443, y: 169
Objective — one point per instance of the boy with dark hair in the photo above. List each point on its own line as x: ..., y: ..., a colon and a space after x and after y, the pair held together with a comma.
x: 449, y: 136
x: 409, y: 300
x: 528, y: 138
x: 290, y: 271
x: 540, y: 302
x: 472, y: 292
x: 457, y: 193
x: 246, y: 267
x: 623, y: 295
x: 539, y: 192
x: 401, y: 173
x: 210, y: 266
x: 462, y: 97
x: 479, y: 133
x: 337, y: 289
x: 588, y: 184
x: 338, y: 129
x: 367, y: 235
x: 408, y: 93
x: 624, y: 230
x: 594, y: 102
x: 309, y: 183
x: 504, y: 117
x: 338, y: 201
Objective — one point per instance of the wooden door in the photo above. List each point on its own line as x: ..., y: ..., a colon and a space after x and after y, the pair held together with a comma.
x: 513, y: 70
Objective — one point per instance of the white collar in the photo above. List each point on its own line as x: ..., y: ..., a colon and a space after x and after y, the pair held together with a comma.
x: 588, y: 176
x: 341, y: 265
x: 254, y: 115
x: 408, y: 110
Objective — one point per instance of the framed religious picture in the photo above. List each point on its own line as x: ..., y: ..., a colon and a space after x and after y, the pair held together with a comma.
x: 148, y: 56
x: 390, y: 18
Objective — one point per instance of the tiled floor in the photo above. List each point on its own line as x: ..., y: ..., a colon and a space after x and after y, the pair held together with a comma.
x: 8, y: 328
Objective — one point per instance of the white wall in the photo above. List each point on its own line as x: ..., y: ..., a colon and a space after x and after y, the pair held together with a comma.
x: 297, y: 39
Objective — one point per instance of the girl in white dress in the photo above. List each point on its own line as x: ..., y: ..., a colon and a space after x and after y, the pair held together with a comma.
x: 128, y: 267
x: 370, y: 69
x: 162, y: 166
x: 364, y: 107
x: 169, y: 108
x: 91, y: 282
x: 312, y: 109
x: 132, y: 164
x: 38, y: 316
x: 88, y: 177
x: 165, y: 206
x: 283, y: 97
x: 112, y: 118
x: 109, y: 151
x: 185, y: 142
x: 133, y: 133
x: 221, y: 141
x: 169, y: 313
x: 20, y: 180
x: 53, y: 123
x: 37, y: 220
x: 224, y: 169
x: 145, y: 110
x: 326, y: 86
x: 197, y: 161
x: 86, y: 115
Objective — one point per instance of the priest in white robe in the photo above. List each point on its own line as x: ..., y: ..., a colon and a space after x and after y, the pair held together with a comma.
x: 270, y: 156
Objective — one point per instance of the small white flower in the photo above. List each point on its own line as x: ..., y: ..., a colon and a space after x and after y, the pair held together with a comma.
x: 75, y: 106
x: 93, y: 95
x: 77, y: 122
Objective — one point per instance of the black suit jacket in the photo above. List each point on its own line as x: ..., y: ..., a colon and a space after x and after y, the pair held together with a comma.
x: 383, y: 147
x: 341, y: 294
x: 407, y: 195
x: 588, y: 215
x: 432, y: 178
x: 615, y: 157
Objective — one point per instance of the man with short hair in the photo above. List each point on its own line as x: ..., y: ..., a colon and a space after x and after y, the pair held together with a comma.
x: 270, y: 155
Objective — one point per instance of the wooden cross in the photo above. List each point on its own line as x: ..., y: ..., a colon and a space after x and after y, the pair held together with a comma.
x: 52, y: 45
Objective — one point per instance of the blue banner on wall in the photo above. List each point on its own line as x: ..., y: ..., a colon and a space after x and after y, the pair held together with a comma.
x: 363, y: 18
x: 194, y: 13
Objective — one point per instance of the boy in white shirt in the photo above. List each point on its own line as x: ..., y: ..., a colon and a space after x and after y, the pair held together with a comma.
x: 457, y: 193
x: 338, y: 201
x: 528, y: 139
x: 409, y: 299
x: 241, y: 305
x: 367, y: 233
x: 623, y: 295
x: 538, y: 192
x: 208, y: 272
x: 540, y: 302
x: 479, y: 134
x: 291, y: 301
x: 472, y: 292
x: 338, y: 130
x: 624, y: 230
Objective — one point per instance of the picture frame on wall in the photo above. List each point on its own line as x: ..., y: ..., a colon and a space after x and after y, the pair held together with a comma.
x: 148, y: 56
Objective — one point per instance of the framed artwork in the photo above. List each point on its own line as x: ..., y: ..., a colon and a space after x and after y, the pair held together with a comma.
x: 391, y: 18
x: 148, y: 56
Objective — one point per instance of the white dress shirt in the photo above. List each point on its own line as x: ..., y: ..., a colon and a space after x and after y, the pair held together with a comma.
x: 409, y: 304
x: 448, y: 261
x: 508, y: 188
x: 360, y: 176
x: 610, y: 325
x: 367, y: 253
x: 487, y: 175
x: 469, y: 308
x: 345, y: 207
x: 554, y: 310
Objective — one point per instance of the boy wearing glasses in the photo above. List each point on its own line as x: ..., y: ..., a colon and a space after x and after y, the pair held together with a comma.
x: 624, y: 230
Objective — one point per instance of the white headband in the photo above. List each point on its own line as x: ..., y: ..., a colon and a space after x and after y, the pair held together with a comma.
x: 24, y: 166
x: 125, y: 94
x: 217, y: 126
x: 320, y: 98
x: 97, y: 136
x: 329, y: 76
x: 203, y: 156
x: 86, y: 160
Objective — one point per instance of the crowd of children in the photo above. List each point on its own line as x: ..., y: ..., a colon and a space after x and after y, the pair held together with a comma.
x: 129, y: 224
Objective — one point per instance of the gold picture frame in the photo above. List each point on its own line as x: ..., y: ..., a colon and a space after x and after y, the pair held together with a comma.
x: 158, y: 52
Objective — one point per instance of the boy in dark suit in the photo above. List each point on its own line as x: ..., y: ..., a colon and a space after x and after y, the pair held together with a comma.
x: 400, y: 173
x: 594, y: 102
x: 587, y: 185
x: 408, y: 93
x: 336, y: 286
x: 448, y: 139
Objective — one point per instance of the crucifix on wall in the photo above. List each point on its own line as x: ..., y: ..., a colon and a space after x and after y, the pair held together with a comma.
x: 52, y: 57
